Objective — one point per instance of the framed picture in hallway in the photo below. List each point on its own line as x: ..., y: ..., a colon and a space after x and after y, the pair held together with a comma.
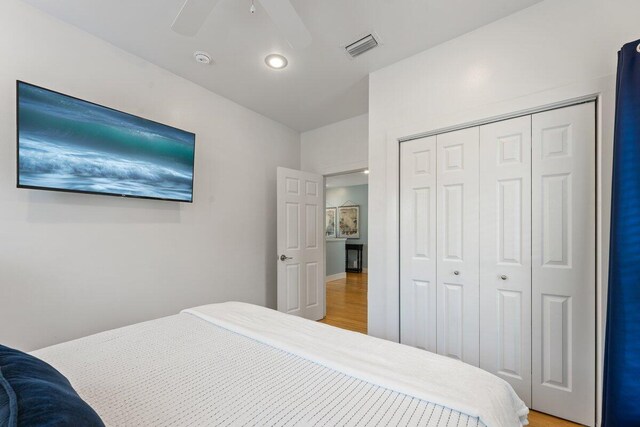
x: 349, y: 222
x: 330, y: 228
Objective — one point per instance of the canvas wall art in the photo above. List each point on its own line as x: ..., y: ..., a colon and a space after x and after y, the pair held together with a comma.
x: 67, y: 144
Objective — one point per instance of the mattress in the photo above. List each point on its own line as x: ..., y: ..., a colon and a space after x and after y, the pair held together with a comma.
x: 183, y: 370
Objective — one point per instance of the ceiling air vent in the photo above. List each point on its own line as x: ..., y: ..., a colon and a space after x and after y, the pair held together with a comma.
x: 361, y: 46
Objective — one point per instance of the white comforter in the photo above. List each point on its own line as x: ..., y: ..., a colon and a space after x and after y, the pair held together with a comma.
x: 404, y: 369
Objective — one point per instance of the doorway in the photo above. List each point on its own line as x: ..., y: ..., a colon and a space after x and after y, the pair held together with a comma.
x: 346, y: 250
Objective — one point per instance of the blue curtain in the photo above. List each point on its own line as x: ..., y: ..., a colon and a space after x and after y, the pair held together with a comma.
x: 621, y: 394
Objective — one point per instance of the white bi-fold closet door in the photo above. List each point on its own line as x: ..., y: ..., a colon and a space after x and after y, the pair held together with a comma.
x: 505, y: 252
x: 440, y: 183
x: 498, y: 253
x: 439, y: 249
x: 563, y: 262
x: 457, y: 249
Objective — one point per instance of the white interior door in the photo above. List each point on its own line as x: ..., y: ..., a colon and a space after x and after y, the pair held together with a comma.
x: 457, y: 248
x: 563, y: 262
x: 300, y: 243
x: 418, y: 244
x: 505, y: 252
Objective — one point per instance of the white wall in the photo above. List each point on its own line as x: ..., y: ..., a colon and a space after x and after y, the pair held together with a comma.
x: 70, y: 264
x: 338, y: 147
x: 553, y: 51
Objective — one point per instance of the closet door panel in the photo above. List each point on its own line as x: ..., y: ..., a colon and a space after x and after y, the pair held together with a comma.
x: 563, y: 258
x: 505, y: 252
x: 418, y: 243
x: 457, y: 247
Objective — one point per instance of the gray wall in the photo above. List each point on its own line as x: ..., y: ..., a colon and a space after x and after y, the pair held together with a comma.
x: 335, y: 257
x: 359, y: 195
x: 72, y: 264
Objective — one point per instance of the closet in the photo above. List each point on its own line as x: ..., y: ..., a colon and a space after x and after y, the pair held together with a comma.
x: 497, y: 253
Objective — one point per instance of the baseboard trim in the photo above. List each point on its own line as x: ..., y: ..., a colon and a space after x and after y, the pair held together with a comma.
x: 336, y: 276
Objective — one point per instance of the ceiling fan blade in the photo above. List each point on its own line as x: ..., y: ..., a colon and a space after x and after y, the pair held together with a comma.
x: 192, y: 16
x: 288, y: 21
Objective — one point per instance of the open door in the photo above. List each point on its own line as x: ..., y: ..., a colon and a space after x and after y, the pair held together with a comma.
x: 300, y: 244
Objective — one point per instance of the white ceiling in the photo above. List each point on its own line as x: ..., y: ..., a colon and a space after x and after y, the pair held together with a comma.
x: 321, y: 85
x: 346, y: 180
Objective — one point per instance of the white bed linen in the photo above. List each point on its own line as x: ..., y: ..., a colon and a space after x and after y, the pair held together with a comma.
x: 407, y: 370
x: 183, y: 370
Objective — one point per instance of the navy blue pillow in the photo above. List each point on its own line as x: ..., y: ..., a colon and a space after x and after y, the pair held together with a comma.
x: 33, y: 393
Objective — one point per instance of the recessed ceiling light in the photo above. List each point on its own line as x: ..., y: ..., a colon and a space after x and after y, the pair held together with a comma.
x: 275, y: 61
x: 366, y: 171
x: 202, y: 57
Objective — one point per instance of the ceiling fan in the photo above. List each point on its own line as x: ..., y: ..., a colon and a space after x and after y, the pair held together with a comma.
x: 194, y: 12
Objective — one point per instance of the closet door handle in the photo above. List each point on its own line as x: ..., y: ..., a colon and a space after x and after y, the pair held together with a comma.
x: 504, y: 277
x: 456, y: 272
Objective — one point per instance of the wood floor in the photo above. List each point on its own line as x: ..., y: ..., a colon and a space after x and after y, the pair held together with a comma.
x: 347, y: 309
x: 347, y: 303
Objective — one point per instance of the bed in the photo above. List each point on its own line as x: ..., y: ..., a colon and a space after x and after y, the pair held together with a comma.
x: 238, y: 364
